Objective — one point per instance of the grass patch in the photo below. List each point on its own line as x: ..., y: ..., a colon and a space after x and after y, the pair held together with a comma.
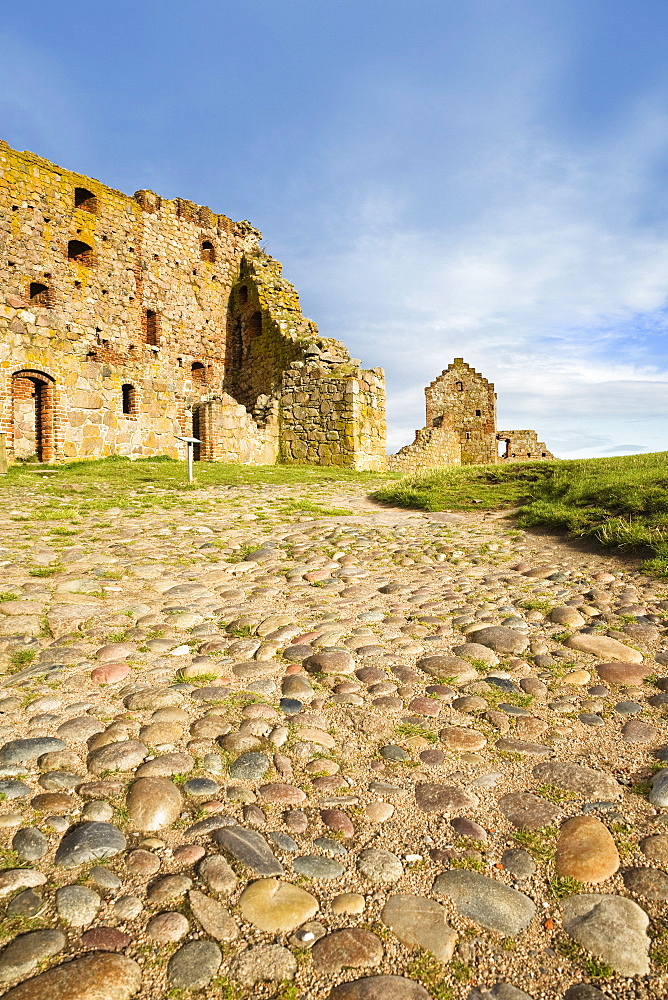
x: 46, y: 570
x: 308, y: 507
x: 428, y: 971
x: 621, y: 502
x: 21, y: 658
x: 541, y: 844
x: 6, y: 595
x: 408, y: 729
x: 555, y: 794
x: 562, y: 886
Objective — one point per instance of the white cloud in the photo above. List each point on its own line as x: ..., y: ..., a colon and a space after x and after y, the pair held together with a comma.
x: 553, y: 289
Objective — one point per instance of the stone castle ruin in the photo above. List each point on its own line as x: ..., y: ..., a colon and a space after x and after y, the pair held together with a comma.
x: 125, y: 321
x: 461, y: 427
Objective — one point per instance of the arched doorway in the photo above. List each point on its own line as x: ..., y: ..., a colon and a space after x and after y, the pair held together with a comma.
x: 33, y: 416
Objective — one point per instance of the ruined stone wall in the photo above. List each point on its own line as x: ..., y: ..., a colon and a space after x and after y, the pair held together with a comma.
x: 120, y: 316
x: 461, y: 427
x: 433, y: 447
x: 523, y: 446
x: 466, y: 400
x: 228, y: 433
x: 332, y: 414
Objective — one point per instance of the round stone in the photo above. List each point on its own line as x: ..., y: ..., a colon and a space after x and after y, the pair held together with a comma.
x: 518, y: 862
x: 103, y: 976
x: 105, y: 939
x: 26, y: 951
x: 30, y: 843
x: 350, y: 948
x: 379, y: 867
x: 444, y: 798
x: 314, y: 866
x: 263, y: 963
x: 201, y: 787
x: 250, y: 766
x: 650, y: 883
x: 656, y: 848
x: 348, y: 902
x: 153, y: 804
x: 168, y: 927
x: 77, y: 905
x: 586, y: 850
x: 194, y: 965
x: 275, y: 906
x: 463, y: 739
x: 89, y: 842
x: 379, y: 988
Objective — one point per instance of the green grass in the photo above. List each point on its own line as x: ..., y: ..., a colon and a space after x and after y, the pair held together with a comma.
x: 21, y: 658
x: 170, y: 474
x: 620, y: 502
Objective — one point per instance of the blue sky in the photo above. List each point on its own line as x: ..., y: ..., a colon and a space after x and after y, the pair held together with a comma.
x: 440, y: 178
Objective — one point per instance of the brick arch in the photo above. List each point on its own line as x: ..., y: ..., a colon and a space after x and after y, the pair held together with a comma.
x: 33, y: 427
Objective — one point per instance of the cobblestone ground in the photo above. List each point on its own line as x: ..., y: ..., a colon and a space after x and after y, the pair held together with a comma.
x: 382, y: 755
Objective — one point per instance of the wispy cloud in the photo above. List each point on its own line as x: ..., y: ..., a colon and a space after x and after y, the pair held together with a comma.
x: 551, y: 280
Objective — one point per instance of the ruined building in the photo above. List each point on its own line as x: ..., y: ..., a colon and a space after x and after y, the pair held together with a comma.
x: 461, y: 427
x: 125, y: 321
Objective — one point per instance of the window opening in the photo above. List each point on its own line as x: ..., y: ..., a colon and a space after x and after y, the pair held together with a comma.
x: 80, y: 252
x: 198, y: 372
x: 39, y: 294
x: 237, y: 345
x: 129, y: 394
x: 459, y: 386
x: 85, y: 200
x: 255, y: 325
x: 478, y: 413
x: 208, y: 253
x: 152, y: 327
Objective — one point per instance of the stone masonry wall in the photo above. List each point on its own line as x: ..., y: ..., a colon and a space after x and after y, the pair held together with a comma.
x: 229, y: 433
x: 433, y: 447
x: 523, y: 446
x: 463, y: 398
x: 332, y: 414
x: 461, y: 427
x: 120, y: 316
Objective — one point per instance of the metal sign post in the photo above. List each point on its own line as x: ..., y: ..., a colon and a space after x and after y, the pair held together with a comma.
x: 190, y: 442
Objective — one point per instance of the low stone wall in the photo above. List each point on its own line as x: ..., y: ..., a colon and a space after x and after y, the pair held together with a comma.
x: 229, y: 433
x: 523, y: 446
x: 432, y: 447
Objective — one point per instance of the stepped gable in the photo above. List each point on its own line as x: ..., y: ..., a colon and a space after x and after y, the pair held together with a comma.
x: 461, y: 427
x: 127, y: 320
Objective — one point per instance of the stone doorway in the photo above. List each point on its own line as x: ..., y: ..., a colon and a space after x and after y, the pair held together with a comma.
x: 33, y: 416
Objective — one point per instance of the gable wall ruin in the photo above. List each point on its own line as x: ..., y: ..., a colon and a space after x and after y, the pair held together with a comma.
x: 461, y: 427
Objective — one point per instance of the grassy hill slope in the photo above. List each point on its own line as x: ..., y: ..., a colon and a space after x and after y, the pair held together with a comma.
x: 622, y: 502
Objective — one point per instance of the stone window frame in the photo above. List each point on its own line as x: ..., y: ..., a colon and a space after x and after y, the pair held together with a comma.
x: 207, y: 252
x: 151, y: 327
x: 202, y: 376
x: 129, y: 401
